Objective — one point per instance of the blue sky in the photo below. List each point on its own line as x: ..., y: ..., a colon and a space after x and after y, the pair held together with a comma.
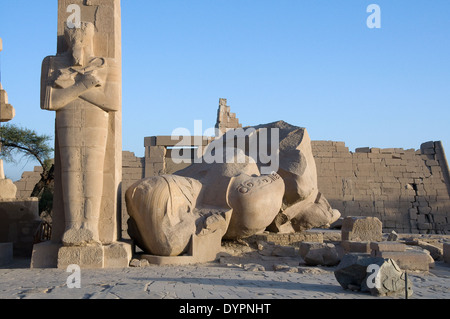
x: 314, y: 64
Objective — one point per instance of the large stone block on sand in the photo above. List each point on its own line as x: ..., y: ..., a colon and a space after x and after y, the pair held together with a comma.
x: 45, y: 255
x: 387, y: 246
x: 355, y: 272
x: 202, y: 249
x: 410, y: 259
x: 319, y: 254
x: 362, y: 229
x: 117, y: 255
x: 356, y: 246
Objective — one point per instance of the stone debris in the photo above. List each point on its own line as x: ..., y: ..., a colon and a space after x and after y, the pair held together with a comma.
x: 387, y: 246
x: 406, y: 258
x: 139, y: 263
x: 253, y: 267
x: 285, y: 268
x: 323, y: 254
x: 350, y: 246
x: 393, y: 236
x: 270, y: 249
x: 436, y: 249
x: 386, y: 279
x: 362, y: 229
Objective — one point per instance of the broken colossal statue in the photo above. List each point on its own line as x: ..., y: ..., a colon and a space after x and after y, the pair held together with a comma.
x: 249, y: 191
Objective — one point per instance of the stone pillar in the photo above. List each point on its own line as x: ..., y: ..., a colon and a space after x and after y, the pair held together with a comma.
x: 7, y: 113
x: 225, y: 119
x: 83, y: 85
x: 7, y: 189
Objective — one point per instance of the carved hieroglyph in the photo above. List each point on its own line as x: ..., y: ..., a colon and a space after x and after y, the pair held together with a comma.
x: 82, y: 84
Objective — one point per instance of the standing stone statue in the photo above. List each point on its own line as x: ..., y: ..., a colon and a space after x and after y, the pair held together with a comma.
x: 82, y: 84
x: 82, y: 88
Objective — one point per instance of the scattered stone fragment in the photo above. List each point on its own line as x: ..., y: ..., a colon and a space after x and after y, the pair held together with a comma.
x: 285, y: 268
x: 387, y: 246
x: 284, y: 251
x: 415, y: 258
x: 139, y: 263
x: 435, y: 251
x: 350, y: 246
x: 362, y: 229
x: 393, y: 236
x: 353, y: 272
x: 254, y: 267
x: 135, y: 263
x: 311, y: 270
x: 319, y: 254
x: 234, y: 265
x: 145, y: 263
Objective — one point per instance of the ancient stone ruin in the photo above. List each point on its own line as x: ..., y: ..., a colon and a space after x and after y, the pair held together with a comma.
x: 232, y: 199
x: 225, y: 119
x: 82, y: 84
x: 18, y: 217
x: 269, y: 186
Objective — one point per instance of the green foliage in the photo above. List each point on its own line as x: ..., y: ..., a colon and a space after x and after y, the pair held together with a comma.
x: 17, y: 140
x: 46, y: 200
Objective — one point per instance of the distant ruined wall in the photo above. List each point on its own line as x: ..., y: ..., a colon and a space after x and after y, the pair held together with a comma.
x: 408, y: 190
x: 26, y: 184
x: 133, y: 170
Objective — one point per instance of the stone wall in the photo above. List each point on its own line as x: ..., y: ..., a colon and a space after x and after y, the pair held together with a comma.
x: 407, y: 189
x: 19, y: 220
x: 225, y: 119
x: 133, y: 170
x: 26, y: 185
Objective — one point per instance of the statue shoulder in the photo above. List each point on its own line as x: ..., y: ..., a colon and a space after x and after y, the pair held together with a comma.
x: 55, y: 62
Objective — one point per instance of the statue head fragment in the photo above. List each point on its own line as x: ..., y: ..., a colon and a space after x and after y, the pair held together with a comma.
x: 80, y: 42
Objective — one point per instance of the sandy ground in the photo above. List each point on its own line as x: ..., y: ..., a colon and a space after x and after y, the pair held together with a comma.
x: 242, y: 272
